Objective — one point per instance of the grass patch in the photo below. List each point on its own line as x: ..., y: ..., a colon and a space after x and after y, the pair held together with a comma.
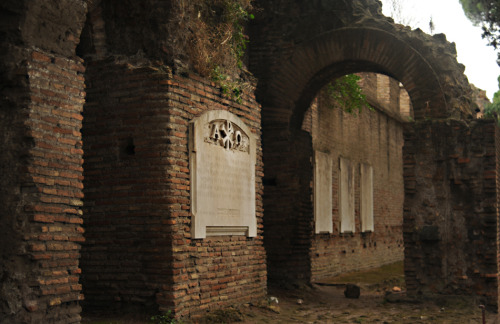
x: 389, y: 274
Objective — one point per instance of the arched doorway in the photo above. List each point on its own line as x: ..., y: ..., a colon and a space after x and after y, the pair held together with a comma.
x: 300, y: 64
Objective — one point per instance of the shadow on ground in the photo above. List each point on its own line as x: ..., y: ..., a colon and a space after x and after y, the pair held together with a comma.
x: 380, y: 301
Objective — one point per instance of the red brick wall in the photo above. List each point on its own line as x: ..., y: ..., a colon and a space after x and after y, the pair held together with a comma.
x: 216, y: 271
x: 48, y: 215
x: 137, y: 206
x: 128, y: 252
x: 451, y: 220
x: 370, y: 137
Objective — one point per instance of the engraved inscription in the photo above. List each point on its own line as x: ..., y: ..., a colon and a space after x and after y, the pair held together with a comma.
x: 228, y: 213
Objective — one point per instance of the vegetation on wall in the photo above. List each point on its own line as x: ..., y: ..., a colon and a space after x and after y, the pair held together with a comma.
x: 346, y: 93
x: 493, y: 110
x: 216, y: 42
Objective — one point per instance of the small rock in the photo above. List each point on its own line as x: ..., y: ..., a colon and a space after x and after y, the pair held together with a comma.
x: 300, y: 301
x: 396, y: 289
x: 352, y: 291
x: 274, y: 308
x: 273, y: 300
x: 392, y: 297
x: 31, y: 305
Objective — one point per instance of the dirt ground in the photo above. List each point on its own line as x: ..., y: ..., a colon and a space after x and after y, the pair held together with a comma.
x: 325, y: 303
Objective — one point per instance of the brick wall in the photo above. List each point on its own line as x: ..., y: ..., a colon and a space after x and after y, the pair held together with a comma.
x: 370, y: 137
x: 42, y: 275
x: 128, y: 252
x: 216, y: 271
x: 450, y: 212
x: 139, y: 249
x: 288, y: 220
x: 294, y: 252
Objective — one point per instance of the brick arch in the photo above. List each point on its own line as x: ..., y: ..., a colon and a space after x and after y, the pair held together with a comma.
x: 350, y: 50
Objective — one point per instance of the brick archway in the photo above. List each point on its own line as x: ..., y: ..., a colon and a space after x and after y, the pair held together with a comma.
x: 293, y: 66
x: 314, y: 63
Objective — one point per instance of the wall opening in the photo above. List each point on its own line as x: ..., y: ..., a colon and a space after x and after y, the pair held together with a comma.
x: 365, y: 148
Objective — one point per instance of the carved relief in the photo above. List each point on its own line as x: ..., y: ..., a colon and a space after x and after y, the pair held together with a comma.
x: 228, y: 135
x: 222, y: 165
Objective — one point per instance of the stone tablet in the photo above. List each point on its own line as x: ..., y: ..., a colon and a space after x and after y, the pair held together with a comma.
x: 322, y: 193
x: 366, y: 193
x: 346, y: 196
x: 222, y: 166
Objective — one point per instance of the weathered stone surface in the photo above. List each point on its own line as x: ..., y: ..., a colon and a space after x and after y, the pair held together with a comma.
x: 346, y: 196
x: 322, y: 193
x: 366, y: 197
x: 222, y: 161
x: 293, y: 55
x: 449, y: 227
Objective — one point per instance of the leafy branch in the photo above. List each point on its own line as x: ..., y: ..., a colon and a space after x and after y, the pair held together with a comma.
x: 347, y: 94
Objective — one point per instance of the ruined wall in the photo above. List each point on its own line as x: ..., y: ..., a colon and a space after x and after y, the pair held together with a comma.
x: 139, y: 248
x: 450, y: 228
x: 299, y: 46
x: 294, y: 251
x: 42, y: 95
x: 139, y: 251
x: 45, y: 231
x: 43, y: 224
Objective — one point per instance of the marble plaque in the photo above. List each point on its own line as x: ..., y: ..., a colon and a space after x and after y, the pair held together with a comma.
x: 346, y: 196
x: 323, y: 222
x: 366, y: 198
x: 222, y: 166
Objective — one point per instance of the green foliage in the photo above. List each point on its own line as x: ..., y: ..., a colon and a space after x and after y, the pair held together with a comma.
x: 167, y: 318
x: 209, y: 33
x: 347, y: 94
x: 493, y: 110
x: 233, y: 89
x: 487, y: 14
x: 231, y: 16
x: 226, y: 20
x: 237, y: 15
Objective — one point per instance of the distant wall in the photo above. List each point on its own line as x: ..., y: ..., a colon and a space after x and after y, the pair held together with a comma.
x: 374, y: 138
